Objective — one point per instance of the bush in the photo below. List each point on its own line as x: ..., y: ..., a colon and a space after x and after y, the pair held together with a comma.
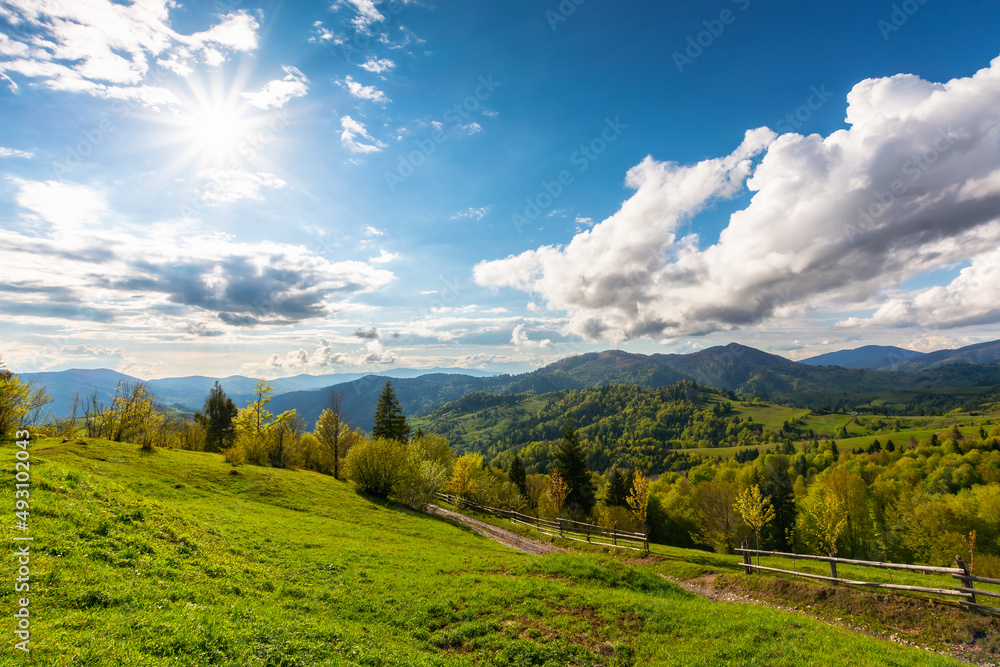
x: 376, y: 466
x: 419, y: 482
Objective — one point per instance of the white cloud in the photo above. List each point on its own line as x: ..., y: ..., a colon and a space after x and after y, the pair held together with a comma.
x: 13, y: 152
x: 371, y: 231
x: 384, y: 257
x: 328, y: 355
x: 230, y: 185
x: 833, y: 221
x: 103, y: 48
x: 377, y: 65
x: 972, y: 298
x: 367, y: 14
x: 277, y: 93
x: 88, y: 268
x: 519, y: 338
x: 355, y: 136
x: 365, y: 92
x: 66, y: 206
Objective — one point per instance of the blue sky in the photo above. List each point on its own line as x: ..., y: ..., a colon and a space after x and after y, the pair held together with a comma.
x: 282, y: 188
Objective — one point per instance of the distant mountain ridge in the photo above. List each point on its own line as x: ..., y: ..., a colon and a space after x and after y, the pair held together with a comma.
x: 873, y: 357
x: 980, y: 353
x: 737, y: 368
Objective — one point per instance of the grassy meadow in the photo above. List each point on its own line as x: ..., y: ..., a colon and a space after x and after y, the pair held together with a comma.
x: 177, y: 558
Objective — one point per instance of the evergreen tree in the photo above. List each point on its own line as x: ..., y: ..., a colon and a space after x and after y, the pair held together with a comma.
x: 517, y: 475
x: 776, y: 485
x: 389, y: 420
x: 216, y: 418
x: 572, y: 464
x: 619, y: 485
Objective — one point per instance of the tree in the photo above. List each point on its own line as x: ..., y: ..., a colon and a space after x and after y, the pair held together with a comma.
x: 619, y: 484
x: 132, y: 416
x: 389, y: 420
x: 638, y: 500
x: 558, y: 492
x: 572, y: 465
x: 517, y: 475
x: 464, y: 477
x: 777, y: 486
x: 261, y: 438
x: 21, y: 404
x: 756, y: 511
x: 333, y: 432
x: 713, y: 502
x: 825, y: 514
x: 216, y: 418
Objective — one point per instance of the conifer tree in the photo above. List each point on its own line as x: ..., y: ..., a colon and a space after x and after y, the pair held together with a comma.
x: 572, y: 465
x: 216, y: 418
x: 389, y: 420
x: 517, y: 475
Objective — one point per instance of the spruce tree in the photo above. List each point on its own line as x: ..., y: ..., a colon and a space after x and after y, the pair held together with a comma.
x: 619, y: 485
x: 572, y: 464
x: 776, y: 485
x: 389, y: 420
x: 517, y: 475
x: 217, y: 419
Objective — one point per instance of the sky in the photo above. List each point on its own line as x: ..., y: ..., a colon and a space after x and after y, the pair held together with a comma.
x: 272, y: 188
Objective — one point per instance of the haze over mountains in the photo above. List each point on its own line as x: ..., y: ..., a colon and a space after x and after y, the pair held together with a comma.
x: 828, y: 379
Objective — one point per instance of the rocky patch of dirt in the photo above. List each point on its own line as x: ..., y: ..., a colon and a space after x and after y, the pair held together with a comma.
x: 505, y: 537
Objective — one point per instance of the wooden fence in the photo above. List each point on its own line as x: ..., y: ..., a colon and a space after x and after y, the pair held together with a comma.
x: 966, y: 591
x: 564, y: 528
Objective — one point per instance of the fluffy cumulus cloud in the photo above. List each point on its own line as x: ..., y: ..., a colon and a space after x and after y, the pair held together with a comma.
x: 519, y: 338
x: 972, y: 298
x: 104, y: 48
x: 277, y: 93
x: 912, y: 184
x: 327, y: 356
x: 75, y: 264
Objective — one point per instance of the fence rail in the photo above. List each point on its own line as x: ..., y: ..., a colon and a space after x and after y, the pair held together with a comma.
x: 966, y: 590
x: 563, y: 528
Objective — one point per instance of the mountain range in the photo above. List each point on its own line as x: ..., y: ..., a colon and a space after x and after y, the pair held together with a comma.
x: 834, y: 379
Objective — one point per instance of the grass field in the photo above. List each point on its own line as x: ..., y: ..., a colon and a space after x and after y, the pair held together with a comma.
x: 176, y: 558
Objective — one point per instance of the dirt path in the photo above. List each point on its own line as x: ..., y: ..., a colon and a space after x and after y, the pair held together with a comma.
x: 505, y: 537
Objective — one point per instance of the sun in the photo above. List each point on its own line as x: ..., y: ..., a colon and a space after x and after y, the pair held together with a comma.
x: 218, y: 131
x: 215, y: 132
x: 213, y: 127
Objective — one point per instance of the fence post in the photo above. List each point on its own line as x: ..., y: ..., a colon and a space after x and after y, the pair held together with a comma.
x: 559, y: 523
x: 968, y: 583
x: 614, y: 536
x: 746, y: 556
x: 833, y: 566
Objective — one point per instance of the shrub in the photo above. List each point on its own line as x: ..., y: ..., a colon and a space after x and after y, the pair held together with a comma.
x: 376, y: 466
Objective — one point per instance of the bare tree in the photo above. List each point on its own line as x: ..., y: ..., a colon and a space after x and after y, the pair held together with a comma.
x: 333, y: 430
x: 69, y: 426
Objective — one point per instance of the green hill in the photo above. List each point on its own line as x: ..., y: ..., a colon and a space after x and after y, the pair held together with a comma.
x: 176, y: 558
